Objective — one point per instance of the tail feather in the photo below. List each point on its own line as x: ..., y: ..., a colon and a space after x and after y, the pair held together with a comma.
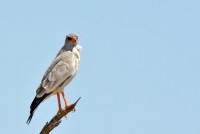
x: 29, y: 118
x: 36, y: 102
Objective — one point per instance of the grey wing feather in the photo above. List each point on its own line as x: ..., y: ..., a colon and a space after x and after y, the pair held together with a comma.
x: 59, y: 70
x: 55, y: 61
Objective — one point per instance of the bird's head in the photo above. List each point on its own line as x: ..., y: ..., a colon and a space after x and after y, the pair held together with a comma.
x: 71, y: 39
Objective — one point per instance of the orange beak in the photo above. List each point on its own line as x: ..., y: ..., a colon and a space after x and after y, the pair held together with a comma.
x: 73, y: 40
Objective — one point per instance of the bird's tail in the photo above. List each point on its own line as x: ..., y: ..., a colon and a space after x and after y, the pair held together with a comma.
x: 36, y: 102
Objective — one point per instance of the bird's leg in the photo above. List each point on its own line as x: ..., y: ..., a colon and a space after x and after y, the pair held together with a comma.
x: 65, y: 100
x: 59, y: 104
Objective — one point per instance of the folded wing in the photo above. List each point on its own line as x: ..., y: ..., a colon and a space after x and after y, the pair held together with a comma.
x: 61, y: 68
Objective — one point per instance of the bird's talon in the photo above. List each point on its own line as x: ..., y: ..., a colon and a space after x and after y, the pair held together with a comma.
x: 68, y: 105
x: 59, y: 111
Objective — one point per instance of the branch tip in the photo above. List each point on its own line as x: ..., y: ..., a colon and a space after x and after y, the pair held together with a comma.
x: 56, y: 120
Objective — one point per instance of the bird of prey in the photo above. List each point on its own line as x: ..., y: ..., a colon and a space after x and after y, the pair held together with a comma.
x: 59, y: 74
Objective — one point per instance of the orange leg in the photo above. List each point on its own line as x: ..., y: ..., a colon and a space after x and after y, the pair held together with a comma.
x: 59, y: 104
x: 66, y: 102
x: 65, y: 99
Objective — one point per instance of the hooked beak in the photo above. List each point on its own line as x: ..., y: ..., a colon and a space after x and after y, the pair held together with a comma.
x: 73, y: 39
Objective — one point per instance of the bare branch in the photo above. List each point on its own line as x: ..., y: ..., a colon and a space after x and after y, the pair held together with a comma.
x: 56, y: 120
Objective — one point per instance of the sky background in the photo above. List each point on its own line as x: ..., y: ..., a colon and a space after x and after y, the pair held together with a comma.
x: 139, y: 71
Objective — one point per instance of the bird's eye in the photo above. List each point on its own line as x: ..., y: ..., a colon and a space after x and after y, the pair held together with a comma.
x: 69, y: 38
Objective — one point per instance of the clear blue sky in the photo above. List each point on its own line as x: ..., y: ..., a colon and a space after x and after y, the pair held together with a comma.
x: 139, y: 70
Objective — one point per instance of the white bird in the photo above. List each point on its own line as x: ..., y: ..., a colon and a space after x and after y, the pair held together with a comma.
x: 59, y: 74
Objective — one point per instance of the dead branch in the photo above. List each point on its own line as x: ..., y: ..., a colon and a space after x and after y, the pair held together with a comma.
x: 56, y: 120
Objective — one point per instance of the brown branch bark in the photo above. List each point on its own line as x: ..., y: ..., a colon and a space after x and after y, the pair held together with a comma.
x: 56, y: 120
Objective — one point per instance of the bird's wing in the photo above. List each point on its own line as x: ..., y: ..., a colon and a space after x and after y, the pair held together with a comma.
x: 55, y: 61
x: 60, y: 69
